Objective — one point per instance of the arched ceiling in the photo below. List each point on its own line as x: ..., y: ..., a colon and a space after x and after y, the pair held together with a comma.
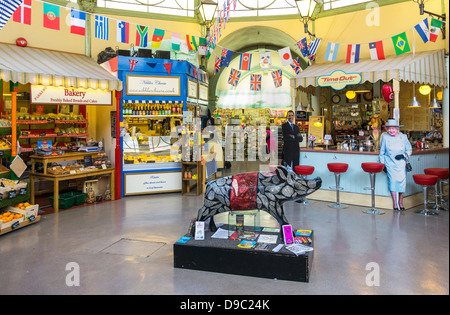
x: 256, y: 37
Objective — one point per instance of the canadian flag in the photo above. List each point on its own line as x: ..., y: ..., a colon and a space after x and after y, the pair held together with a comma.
x: 23, y: 13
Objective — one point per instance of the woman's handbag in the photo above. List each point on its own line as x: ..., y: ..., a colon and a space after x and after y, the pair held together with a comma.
x: 408, y: 165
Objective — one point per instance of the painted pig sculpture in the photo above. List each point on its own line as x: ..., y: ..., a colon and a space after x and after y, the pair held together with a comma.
x: 266, y: 191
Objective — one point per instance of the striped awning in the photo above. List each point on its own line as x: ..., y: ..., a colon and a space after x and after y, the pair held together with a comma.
x: 274, y: 98
x: 424, y: 68
x: 51, y: 68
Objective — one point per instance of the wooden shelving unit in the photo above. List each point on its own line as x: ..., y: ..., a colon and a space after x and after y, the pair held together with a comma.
x: 189, y: 186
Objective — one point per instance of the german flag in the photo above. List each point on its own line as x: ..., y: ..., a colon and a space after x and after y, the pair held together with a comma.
x: 157, y: 38
x: 190, y: 41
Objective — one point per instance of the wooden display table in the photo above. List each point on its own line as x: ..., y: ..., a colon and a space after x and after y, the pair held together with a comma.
x: 71, y: 156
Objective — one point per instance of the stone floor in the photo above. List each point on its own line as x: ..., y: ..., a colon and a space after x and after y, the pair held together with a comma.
x: 126, y: 247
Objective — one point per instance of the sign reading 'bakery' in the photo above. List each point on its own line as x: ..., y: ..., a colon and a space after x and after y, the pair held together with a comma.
x: 41, y: 94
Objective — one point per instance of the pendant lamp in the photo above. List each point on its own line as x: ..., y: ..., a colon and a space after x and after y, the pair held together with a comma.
x: 414, y: 103
x: 434, y: 103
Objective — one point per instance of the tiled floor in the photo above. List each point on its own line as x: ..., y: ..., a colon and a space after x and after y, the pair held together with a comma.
x: 125, y: 247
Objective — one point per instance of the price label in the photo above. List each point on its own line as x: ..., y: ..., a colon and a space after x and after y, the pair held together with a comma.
x: 15, y: 225
x: 31, y: 218
x: 42, y: 134
x: 12, y: 194
x: 22, y: 191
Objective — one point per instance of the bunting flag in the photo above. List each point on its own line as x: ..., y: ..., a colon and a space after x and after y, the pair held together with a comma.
x: 176, y: 41
x: 217, y: 65
x: 296, y: 65
x: 255, y: 82
x: 7, y: 9
x: 133, y: 63
x: 202, y: 46
x: 376, y: 50
x: 313, y: 45
x: 23, y: 13
x: 401, y: 44
x: 210, y: 50
x: 77, y: 22
x: 123, y: 32
x: 101, y: 27
x: 265, y: 60
x: 51, y: 16
x: 352, y: 53
x: 423, y: 30
x: 277, y: 77
x: 245, y: 61
x: 302, y: 44
x: 141, y: 35
x: 435, y: 29
x: 226, y: 57
x: 234, y: 77
x: 157, y: 38
x: 332, y: 50
x: 190, y: 41
x: 285, y: 56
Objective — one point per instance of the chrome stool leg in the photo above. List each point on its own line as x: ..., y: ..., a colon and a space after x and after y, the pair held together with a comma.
x: 337, y: 204
x: 373, y: 210
x: 426, y: 211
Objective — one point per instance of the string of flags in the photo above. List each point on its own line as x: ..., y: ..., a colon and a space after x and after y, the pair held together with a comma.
x: 427, y: 30
x: 20, y: 11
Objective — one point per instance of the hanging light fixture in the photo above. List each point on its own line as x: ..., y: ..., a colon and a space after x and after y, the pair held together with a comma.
x: 306, y: 9
x: 434, y: 103
x: 300, y: 107
x: 424, y: 89
x: 414, y: 103
x: 309, y: 108
x: 207, y: 9
x: 350, y: 94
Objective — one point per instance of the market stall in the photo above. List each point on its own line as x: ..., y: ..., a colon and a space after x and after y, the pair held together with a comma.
x: 159, y: 96
x: 354, y: 100
x: 47, y: 106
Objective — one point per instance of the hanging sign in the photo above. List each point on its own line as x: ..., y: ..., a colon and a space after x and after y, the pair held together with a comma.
x: 41, y: 94
x: 153, y: 85
x: 339, y: 79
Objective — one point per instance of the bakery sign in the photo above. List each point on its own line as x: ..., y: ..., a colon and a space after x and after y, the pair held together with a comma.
x: 339, y: 79
x: 41, y: 94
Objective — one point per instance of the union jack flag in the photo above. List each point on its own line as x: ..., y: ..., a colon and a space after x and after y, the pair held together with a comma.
x: 277, y: 78
x: 255, y: 82
x: 234, y: 77
x: 296, y: 65
x: 217, y: 65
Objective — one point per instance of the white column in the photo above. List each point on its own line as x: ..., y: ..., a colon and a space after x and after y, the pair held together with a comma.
x: 445, y: 107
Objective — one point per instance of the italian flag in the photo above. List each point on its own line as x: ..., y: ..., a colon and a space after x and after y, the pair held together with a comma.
x: 435, y: 29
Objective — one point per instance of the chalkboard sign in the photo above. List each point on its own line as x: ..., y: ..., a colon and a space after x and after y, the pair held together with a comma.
x: 88, y: 160
x: 113, y: 124
x: 301, y: 114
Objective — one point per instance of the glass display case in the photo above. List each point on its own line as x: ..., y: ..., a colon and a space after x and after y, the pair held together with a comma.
x: 157, y: 92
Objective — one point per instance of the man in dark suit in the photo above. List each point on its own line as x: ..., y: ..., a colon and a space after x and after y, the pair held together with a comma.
x: 291, y: 140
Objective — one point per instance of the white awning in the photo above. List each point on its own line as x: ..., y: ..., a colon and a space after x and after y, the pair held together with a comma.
x: 52, y: 68
x: 274, y: 98
x: 424, y: 68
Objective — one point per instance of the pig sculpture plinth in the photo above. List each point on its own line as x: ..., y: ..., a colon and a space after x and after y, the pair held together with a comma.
x: 266, y: 191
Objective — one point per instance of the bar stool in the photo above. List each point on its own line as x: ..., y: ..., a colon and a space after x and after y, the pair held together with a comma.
x: 442, y: 174
x: 337, y: 169
x: 304, y: 171
x: 372, y: 169
x: 425, y: 181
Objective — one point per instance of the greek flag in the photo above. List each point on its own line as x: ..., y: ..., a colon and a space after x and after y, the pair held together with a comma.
x: 7, y: 8
x: 101, y: 27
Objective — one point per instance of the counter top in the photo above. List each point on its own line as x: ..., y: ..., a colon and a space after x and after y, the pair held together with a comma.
x: 414, y: 152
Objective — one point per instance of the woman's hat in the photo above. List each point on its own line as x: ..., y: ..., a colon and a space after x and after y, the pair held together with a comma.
x: 393, y: 123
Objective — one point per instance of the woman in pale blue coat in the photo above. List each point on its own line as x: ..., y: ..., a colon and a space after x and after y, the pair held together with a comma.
x: 394, y: 149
